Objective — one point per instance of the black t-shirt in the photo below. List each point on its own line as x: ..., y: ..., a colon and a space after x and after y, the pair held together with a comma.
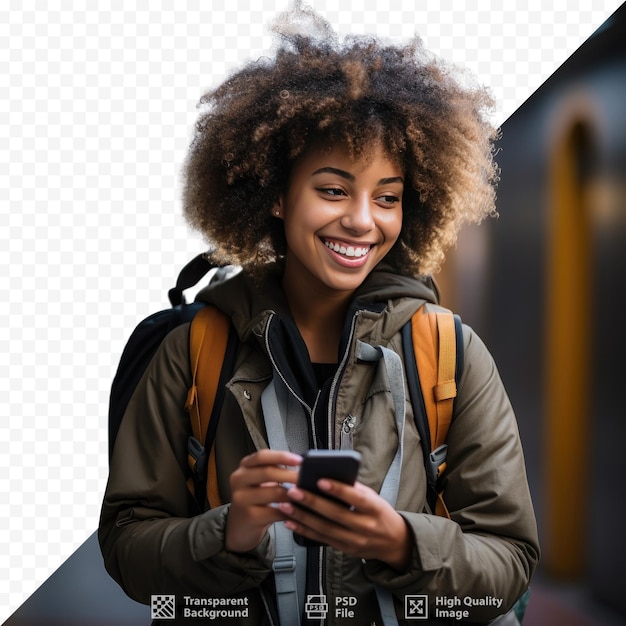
x: 324, y: 371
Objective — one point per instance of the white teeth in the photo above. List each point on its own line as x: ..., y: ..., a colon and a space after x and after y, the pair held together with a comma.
x: 349, y: 251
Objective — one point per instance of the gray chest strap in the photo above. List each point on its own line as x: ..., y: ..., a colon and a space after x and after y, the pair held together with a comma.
x: 393, y: 365
x: 391, y: 483
x: 290, y: 558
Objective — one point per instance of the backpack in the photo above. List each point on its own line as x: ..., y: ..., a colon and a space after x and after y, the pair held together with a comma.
x: 148, y: 335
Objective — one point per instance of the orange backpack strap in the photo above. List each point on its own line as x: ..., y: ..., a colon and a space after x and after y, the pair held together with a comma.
x: 208, y: 339
x: 434, y: 344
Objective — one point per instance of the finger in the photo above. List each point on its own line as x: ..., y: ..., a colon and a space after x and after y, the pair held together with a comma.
x: 260, y: 496
x: 312, y: 510
x: 358, y: 496
x: 272, y: 457
x: 248, y: 520
x: 319, y: 529
x: 310, y: 533
x: 322, y: 504
x: 260, y: 475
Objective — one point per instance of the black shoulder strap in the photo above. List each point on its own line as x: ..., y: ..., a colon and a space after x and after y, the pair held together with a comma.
x: 228, y: 367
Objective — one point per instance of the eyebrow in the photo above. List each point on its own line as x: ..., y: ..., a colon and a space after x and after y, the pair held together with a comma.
x: 351, y: 178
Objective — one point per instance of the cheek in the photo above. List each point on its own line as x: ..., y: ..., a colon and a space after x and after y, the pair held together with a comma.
x: 299, y: 233
x: 391, y: 226
x: 304, y: 218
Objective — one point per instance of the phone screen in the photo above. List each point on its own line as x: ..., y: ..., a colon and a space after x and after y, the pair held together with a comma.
x: 341, y: 465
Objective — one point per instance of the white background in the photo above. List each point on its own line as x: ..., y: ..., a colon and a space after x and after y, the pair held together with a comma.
x: 96, y: 113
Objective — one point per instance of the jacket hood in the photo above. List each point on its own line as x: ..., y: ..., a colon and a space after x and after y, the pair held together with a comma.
x: 244, y: 298
x: 383, y: 284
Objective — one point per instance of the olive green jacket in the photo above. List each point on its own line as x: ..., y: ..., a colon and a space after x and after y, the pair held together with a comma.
x: 155, y: 540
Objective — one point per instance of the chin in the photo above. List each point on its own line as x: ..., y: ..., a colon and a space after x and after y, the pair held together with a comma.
x: 347, y: 283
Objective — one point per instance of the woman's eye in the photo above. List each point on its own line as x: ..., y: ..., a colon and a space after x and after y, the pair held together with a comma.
x: 389, y: 199
x: 331, y: 191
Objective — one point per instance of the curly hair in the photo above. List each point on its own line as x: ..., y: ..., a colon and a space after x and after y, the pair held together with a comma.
x: 359, y: 93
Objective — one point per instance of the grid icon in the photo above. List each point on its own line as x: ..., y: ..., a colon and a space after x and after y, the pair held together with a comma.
x: 163, y: 607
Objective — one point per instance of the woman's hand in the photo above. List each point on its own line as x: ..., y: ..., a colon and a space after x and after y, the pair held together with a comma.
x: 255, y: 485
x: 369, y: 528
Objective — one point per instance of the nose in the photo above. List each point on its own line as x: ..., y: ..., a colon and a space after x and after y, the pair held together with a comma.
x: 358, y: 217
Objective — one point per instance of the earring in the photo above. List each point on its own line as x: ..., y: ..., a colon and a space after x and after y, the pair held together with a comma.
x: 277, y: 213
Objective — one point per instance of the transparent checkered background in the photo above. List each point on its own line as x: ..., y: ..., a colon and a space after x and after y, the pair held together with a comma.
x: 96, y: 112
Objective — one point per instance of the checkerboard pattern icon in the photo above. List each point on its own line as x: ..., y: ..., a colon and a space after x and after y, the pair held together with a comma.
x: 163, y: 607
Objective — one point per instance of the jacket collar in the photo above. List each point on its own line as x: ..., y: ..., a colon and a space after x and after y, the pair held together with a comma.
x: 249, y: 301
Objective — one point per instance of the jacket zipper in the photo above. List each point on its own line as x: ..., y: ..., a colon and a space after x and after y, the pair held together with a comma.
x: 335, y: 383
x: 331, y: 430
x: 312, y: 418
x: 347, y: 430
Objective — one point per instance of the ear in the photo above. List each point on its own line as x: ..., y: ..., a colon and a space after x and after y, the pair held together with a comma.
x: 277, y: 208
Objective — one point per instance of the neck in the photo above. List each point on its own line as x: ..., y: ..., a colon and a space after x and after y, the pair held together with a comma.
x: 319, y: 314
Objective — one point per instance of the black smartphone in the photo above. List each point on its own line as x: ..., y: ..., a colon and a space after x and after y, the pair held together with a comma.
x: 341, y: 465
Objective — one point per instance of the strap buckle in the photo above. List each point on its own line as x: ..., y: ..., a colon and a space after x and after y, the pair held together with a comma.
x: 284, y: 563
x: 198, y: 454
x: 436, y: 460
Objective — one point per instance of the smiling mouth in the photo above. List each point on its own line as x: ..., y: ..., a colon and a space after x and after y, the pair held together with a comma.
x: 349, y: 251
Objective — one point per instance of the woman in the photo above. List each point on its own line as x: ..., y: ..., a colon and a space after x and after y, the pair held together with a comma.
x: 335, y: 174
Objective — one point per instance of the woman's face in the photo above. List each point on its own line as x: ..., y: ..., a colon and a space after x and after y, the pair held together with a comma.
x: 342, y: 216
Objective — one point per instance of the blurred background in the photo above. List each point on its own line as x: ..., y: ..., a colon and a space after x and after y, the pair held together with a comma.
x: 544, y: 285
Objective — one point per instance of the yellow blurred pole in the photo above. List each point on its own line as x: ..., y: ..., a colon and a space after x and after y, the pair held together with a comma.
x: 568, y: 360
